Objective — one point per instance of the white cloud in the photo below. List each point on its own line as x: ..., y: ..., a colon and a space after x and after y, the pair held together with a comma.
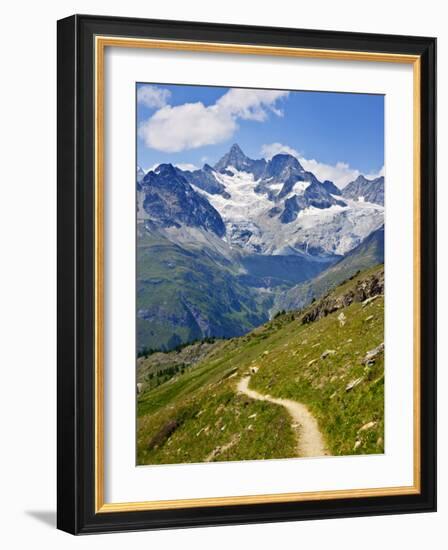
x: 250, y: 104
x: 382, y: 172
x: 268, y: 150
x: 187, y: 126
x: 153, y: 96
x: 192, y: 125
x: 151, y: 168
x: 186, y: 166
x: 341, y: 174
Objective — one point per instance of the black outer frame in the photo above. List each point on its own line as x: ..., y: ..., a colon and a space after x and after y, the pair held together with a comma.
x: 75, y: 403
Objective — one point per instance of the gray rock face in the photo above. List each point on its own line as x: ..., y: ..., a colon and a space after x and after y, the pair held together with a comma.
x: 170, y: 201
x: 372, y: 355
x: 204, y: 179
x: 370, y: 286
x: 140, y: 174
x: 282, y: 167
x: 369, y: 190
x: 331, y: 187
x: 237, y: 159
x: 314, y: 195
x: 285, y: 169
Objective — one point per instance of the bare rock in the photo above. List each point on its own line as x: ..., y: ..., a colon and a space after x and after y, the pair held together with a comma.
x: 163, y: 434
x: 365, y: 289
x: 371, y: 356
x: 369, y: 300
x: 327, y: 352
x: 342, y: 319
x: 367, y: 426
x: 353, y: 384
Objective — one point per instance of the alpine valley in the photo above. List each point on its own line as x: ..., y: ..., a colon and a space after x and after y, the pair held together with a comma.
x: 222, y: 249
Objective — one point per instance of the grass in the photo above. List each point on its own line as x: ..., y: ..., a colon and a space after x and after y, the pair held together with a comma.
x: 157, y: 368
x: 198, y: 416
x: 187, y: 294
x: 298, y: 370
x: 212, y: 421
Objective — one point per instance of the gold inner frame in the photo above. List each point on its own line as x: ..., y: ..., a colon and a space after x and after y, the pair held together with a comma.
x: 101, y: 42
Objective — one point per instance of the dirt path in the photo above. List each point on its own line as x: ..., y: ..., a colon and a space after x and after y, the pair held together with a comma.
x: 310, y: 440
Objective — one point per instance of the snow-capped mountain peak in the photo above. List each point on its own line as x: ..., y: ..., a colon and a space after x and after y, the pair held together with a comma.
x: 371, y: 190
x: 283, y: 166
x: 269, y: 208
x: 238, y: 160
x: 140, y: 173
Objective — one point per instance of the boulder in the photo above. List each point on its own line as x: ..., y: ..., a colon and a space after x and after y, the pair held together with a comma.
x: 371, y: 356
x: 163, y: 434
x: 369, y: 300
x: 353, y: 384
x: 342, y: 319
x: 367, y: 426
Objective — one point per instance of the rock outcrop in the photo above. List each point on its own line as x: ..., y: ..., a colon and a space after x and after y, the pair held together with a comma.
x: 365, y: 289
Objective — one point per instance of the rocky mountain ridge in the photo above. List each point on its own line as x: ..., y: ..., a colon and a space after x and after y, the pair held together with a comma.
x: 266, y: 207
x: 363, y: 189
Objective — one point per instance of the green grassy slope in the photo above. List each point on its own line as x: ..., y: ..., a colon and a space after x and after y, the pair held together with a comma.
x: 198, y: 416
x: 156, y: 368
x: 184, y: 295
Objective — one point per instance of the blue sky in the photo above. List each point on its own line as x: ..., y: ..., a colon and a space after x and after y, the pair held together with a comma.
x: 335, y: 135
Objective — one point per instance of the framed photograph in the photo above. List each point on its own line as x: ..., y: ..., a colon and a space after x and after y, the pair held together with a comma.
x: 246, y: 271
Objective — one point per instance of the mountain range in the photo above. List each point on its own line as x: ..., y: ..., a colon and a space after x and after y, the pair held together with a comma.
x: 366, y: 190
x: 220, y: 247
